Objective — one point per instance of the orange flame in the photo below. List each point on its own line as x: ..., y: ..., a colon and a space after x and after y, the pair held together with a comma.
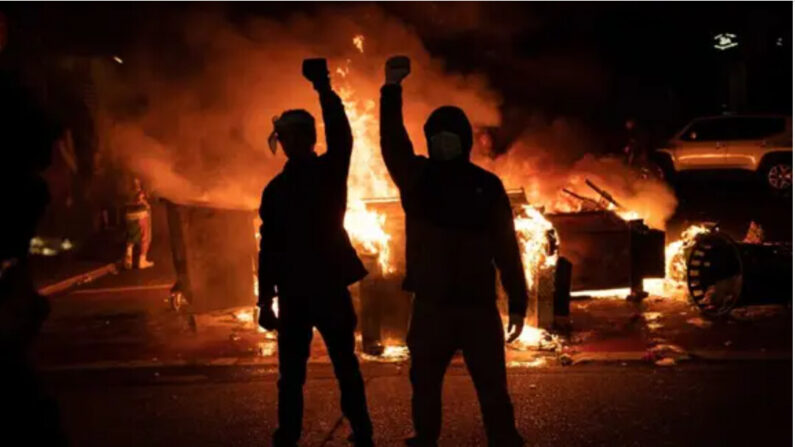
x: 532, y: 231
x: 358, y: 42
x: 368, y: 176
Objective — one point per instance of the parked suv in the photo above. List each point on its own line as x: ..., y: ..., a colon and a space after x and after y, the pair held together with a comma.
x: 759, y: 143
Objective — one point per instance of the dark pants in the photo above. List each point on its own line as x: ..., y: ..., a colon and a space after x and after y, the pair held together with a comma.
x: 334, y: 317
x: 435, y: 335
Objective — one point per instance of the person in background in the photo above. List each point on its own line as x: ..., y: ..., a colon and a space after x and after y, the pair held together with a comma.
x: 459, y: 226
x: 138, y: 218
x: 307, y: 260
x: 635, y: 144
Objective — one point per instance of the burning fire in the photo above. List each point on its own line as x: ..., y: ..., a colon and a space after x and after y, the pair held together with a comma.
x: 367, y: 229
x: 368, y: 176
x: 676, y: 253
x: 358, y: 42
x: 535, y: 235
x: 675, y: 269
x: 369, y: 179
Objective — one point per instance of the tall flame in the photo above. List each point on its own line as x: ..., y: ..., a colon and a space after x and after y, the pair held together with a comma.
x: 533, y: 231
x: 367, y: 229
x: 368, y: 176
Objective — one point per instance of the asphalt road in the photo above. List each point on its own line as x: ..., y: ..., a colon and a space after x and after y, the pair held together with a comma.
x: 611, y: 405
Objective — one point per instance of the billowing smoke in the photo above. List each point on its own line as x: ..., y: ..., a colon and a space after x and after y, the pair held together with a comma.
x: 191, y: 112
x: 551, y: 155
x: 190, y: 109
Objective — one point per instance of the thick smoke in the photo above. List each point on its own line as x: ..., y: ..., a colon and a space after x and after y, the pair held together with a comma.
x: 191, y: 113
x: 190, y: 110
x: 554, y: 154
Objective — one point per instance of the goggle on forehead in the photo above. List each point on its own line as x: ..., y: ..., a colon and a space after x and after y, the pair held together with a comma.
x: 280, y: 124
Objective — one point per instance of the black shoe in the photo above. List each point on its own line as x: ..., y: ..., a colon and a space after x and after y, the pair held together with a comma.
x: 419, y: 442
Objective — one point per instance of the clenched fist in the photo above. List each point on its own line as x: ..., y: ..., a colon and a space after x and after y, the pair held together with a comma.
x: 397, y: 68
x: 316, y: 71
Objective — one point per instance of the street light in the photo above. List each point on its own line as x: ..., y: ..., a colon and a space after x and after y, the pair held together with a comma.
x: 725, y: 41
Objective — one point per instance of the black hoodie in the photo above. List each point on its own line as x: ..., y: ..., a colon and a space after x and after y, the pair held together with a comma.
x: 459, y: 223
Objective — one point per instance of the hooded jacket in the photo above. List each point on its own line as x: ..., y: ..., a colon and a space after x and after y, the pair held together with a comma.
x: 459, y: 222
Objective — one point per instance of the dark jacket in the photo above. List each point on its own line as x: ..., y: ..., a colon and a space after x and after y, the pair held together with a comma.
x: 459, y: 223
x: 304, y: 248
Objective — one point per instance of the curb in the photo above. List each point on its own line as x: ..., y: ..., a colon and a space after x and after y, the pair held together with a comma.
x: 78, y: 279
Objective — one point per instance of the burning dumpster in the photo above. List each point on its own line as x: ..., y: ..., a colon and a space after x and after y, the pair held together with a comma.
x: 215, y: 254
x: 385, y: 308
x: 608, y: 252
x: 723, y: 274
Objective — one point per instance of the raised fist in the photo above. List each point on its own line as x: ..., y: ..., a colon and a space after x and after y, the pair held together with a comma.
x: 316, y: 71
x: 397, y: 68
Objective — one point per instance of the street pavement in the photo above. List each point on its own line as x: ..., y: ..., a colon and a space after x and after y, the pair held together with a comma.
x: 723, y: 404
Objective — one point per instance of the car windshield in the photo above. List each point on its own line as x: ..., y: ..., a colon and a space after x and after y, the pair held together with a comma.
x: 734, y: 128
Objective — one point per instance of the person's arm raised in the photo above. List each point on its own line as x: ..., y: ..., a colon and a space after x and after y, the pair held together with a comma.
x: 396, y: 147
x: 339, y: 138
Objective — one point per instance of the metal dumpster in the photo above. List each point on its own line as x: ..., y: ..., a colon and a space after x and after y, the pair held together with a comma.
x: 608, y: 252
x: 385, y: 308
x: 215, y: 255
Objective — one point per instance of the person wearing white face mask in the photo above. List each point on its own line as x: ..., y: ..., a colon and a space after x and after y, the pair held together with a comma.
x: 459, y: 226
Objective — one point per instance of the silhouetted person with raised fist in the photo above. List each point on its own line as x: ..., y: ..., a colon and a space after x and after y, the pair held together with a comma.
x: 307, y: 260
x: 459, y: 226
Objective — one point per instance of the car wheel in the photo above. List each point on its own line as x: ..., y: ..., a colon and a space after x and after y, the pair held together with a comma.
x: 662, y: 167
x: 778, y: 176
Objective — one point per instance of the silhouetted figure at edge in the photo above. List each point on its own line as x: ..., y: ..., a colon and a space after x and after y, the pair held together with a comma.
x: 307, y: 259
x: 459, y: 225
x: 27, y: 133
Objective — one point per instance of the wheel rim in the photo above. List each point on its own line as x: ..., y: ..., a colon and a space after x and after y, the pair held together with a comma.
x: 780, y: 176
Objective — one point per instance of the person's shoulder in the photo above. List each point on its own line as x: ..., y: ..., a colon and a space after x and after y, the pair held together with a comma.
x: 488, y: 178
x: 273, y: 185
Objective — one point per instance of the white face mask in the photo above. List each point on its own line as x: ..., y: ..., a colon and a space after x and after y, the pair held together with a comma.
x: 445, y: 146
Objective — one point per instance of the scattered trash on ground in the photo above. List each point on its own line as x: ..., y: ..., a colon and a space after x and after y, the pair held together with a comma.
x: 653, y: 320
x: 668, y: 361
x: 666, y: 354
x: 699, y: 322
x: 391, y: 354
x: 754, y: 313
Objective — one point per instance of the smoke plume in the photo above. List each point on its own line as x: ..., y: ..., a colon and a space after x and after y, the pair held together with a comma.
x: 189, y: 110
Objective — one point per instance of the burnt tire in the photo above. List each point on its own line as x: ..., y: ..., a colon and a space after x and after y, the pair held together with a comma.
x: 714, y: 275
x: 776, y: 174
